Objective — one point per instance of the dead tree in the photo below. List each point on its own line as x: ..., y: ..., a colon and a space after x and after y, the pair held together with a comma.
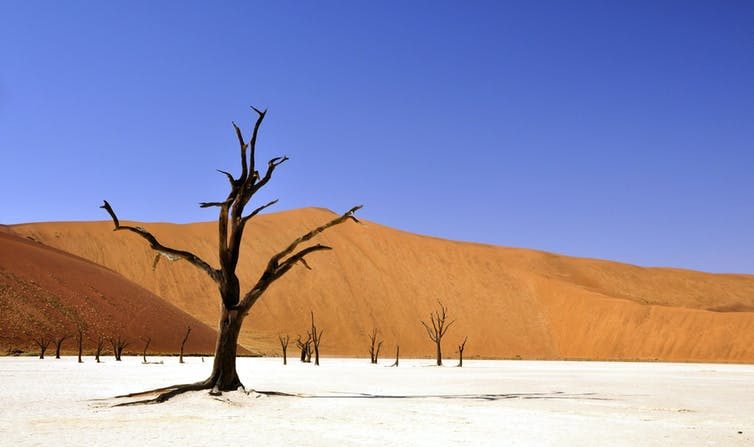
x: 440, y: 326
x: 119, y: 344
x: 316, y: 339
x: 147, y: 341
x: 100, y: 345
x: 43, y: 342
x: 306, y: 348
x: 374, y: 346
x: 232, y: 221
x: 284, y: 346
x: 183, y: 343
x: 460, y: 351
x: 80, y: 340
x: 397, y: 352
x: 58, y: 343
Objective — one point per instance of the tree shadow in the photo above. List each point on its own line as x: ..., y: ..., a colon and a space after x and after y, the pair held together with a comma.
x: 482, y: 396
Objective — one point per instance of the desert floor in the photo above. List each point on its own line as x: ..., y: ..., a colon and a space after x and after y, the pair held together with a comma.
x: 350, y: 402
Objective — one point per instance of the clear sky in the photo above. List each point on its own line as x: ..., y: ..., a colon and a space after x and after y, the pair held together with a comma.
x: 619, y: 130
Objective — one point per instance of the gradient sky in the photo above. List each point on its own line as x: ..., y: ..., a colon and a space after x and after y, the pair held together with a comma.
x: 619, y: 130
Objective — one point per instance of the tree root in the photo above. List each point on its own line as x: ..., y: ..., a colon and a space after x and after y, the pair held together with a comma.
x: 166, y: 393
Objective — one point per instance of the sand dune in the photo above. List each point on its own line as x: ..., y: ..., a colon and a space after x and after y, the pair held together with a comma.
x: 509, y: 302
x: 44, y: 291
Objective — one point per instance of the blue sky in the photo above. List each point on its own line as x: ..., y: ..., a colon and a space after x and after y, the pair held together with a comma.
x: 619, y: 130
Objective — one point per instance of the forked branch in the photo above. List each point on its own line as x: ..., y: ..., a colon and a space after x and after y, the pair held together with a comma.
x: 279, y: 264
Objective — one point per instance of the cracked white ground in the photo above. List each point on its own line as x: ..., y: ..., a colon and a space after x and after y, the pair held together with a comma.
x: 350, y: 402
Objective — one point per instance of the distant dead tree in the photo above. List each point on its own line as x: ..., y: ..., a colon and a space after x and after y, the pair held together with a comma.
x: 374, y: 346
x: 119, y: 344
x: 100, y: 345
x: 80, y: 340
x: 306, y: 348
x: 440, y: 326
x: 58, y: 343
x: 397, y: 352
x: 147, y: 341
x: 460, y: 351
x: 316, y: 339
x: 284, y: 346
x: 43, y: 342
x: 232, y: 221
x: 183, y: 343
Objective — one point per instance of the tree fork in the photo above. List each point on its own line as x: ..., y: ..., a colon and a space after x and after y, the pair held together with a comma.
x: 284, y: 346
x: 58, y: 344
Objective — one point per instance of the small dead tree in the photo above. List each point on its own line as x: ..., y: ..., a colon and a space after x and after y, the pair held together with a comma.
x: 284, y: 346
x: 58, y: 343
x: 100, y: 345
x: 80, y: 340
x: 147, y: 341
x: 440, y: 326
x: 397, y: 352
x: 316, y: 339
x: 183, y: 343
x: 43, y: 342
x: 460, y: 351
x: 305, y: 347
x: 374, y: 346
x: 232, y: 221
x: 119, y: 344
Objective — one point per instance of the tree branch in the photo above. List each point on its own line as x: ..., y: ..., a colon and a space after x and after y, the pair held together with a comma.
x: 230, y: 177
x: 244, y: 146
x: 277, y: 267
x: 429, y: 331
x: 253, y: 141
x: 211, y: 204
x: 271, y: 165
x: 257, y: 211
x: 155, y: 245
x: 308, y: 236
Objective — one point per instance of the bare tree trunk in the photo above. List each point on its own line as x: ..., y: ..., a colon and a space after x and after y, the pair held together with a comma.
x: 439, y: 327
x: 119, y: 345
x: 374, y: 346
x: 100, y: 345
x: 146, y: 346
x: 397, y: 352
x: 460, y: 351
x: 80, y: 342
x: 284, y: 346
x: 59, y: 342
x: 224, y: 376
x: 305, y: 347
x: 183, y: 343
x: 316, y: 339
x: 43, y: 342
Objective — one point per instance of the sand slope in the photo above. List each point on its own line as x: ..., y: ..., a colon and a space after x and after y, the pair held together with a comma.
x: 509, y: 302
x: 44, y: 291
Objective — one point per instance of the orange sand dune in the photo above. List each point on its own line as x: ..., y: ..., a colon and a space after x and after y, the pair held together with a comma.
x: 509, y: 302
x: 44, y: 291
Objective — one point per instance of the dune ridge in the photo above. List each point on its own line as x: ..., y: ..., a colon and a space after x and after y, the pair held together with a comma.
x: 510, y: 302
